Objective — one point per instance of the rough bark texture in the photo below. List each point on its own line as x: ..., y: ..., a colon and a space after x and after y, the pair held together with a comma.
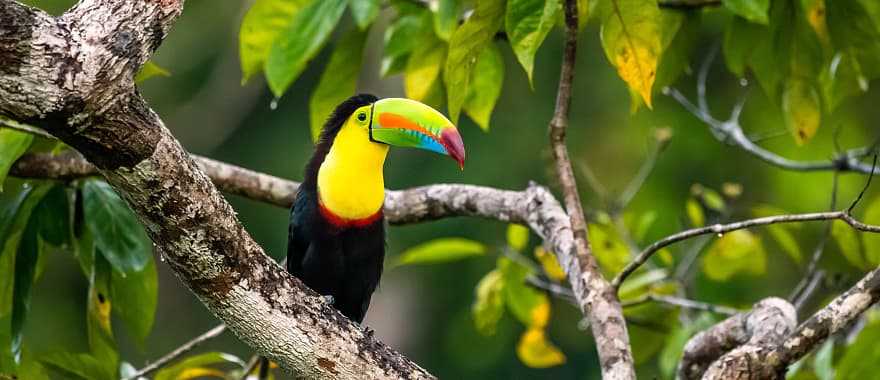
x: 721, y: 351
x: 596, y: 297
x: 72, y: 76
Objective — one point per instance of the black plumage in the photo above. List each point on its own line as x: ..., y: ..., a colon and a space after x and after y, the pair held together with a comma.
x: 345, y: 263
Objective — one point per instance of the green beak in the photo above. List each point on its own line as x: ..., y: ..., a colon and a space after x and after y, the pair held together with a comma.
x: 408, y: 123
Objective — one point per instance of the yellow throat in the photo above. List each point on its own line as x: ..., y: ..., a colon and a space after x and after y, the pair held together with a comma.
x: 350, y: 180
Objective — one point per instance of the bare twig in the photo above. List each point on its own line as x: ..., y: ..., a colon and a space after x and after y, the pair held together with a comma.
x: 598, y: 299
x: 661, y: 141
x: 811, y: 276
x: 179, y: 351
x: 681, y: 302
x: 731, y: 132
x: 809, y: 287
x: 720, y: 229
x: 249, y: 367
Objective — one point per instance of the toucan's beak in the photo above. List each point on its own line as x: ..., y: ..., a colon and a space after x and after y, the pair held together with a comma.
x: 408, y: 123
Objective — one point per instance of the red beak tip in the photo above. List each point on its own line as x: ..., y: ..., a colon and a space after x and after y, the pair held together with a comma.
x: 454, y: 146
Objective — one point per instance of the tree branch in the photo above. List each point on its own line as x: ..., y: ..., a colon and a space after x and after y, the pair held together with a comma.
x: 597, y: 299
x: 720, y: 229
x: 73, y: 77
x: 177, y: 352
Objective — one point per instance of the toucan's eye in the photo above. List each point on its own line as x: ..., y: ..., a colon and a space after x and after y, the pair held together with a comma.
x: 362, y: 116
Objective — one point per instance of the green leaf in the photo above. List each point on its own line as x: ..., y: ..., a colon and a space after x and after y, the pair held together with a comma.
x: 53, y: 216
x: 364, y: 12
x: 488, y: 306
x: 300, y: 41
x: 736, y: 252
x: 441, y: 250
x: 25, y: 271
x: 631, y: 37
x: 148, y: 70
x: 783, y: 236
x: 802, y: 109
x: 445, y: 17
x: 752, y: 10
x: 860, y: 360
x: 260, y: 27
x: 527, y: 23
x: 854, y: 26
x: 530, y: 306
x: 640, y: 283
x: 80, y: 366
x: 608, y: 247
x: 400, y: 42
x: 823, y: 363
x: 695, y: 213
x: 98, y: 309
x: 465, y: 46
x: 739, y: 43
x: 201, y: 360
x: 645, y: 222
x: 12, y: 145
x: 517, y: 237
x: 423, y: 68
x: 118, y: 234
x: 872, y: 241
x: 486, y: 81
x: 339, y: 80
x: 848, y: 241
x: 135, y: 297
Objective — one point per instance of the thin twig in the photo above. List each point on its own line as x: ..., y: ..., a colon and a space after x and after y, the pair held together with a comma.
x: 12, y: 124
x: 813, y: 265
x: 183, y: 349
x: 631, y: 189
x: 809, y: 288
x: 554, y: 289
x: 251, y: 364
x: 720, y: 229
x: 681, y: 302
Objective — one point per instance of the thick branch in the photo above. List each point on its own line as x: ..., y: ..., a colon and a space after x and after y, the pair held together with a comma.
x: 72, y: 76
x: 596, y: 298
x: 744, y: 335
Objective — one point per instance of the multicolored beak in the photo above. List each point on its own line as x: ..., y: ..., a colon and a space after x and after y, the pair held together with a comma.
x: 408, y: 123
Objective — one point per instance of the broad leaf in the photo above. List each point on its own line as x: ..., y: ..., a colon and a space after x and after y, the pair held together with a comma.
x: 364, y: 12
x: 848, y: 241
x: 854, y: 26
x: 53, y: 216
x: 736, y: 252
x: 486, y: 81
x: 752, y: 10
x: 135, y: 297
x: 399, y: 43
x: 739, y: 43
x: 527, y: 23
x: 802, y: 109
x: 445, y: 17
x: 25, y: 271
x: 175, y: 371
x: 489, y: 303
x: 872, y: 241
x: 98, y: 309
x: 442, y: 250
x: 534, y: 350
x: 695, y: 213
x: 300, y: 41
x: 339, y: 80
x: 675, y: 342
x: 465, y: 46
x: 823, y: 363
x: 259, y: 29
x: 631, y: 37
x: 608, y: 247
x: 78, y: 366
x: 13, y: 144
x: 517, y: 237
x: 118, y: 234
x: 423, y: 68
x: 529, y: 305
x: 860, y: 360
x: 148, y: 70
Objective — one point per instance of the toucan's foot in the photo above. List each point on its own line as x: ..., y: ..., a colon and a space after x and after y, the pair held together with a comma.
x: 329, y: 299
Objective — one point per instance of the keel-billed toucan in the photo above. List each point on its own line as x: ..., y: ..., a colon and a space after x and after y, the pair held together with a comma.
x: 336, y: 242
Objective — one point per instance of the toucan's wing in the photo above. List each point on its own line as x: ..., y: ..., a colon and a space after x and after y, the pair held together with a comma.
x: 299, y: 238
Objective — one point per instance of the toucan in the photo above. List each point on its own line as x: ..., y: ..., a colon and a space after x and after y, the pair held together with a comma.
x: 336, y: 241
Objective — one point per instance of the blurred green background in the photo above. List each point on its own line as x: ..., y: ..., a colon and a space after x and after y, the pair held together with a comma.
x: 424, y: 311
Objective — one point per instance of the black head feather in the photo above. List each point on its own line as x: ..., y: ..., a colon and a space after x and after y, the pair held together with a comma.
x: 331, y: 128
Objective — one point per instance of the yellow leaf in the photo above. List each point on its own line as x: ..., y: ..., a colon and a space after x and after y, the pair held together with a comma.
x: 489, y: 305
x: 801, y: 109
x: 517, y: 236
x: 815, y: 12
x: 735, y: 252
x: 550, y: 264
x: 695, y: 213
x: 631, y: 37
x: 541, y: 314
x: 199, y: 373
x: 535, y: 351
x: 423, y: 68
